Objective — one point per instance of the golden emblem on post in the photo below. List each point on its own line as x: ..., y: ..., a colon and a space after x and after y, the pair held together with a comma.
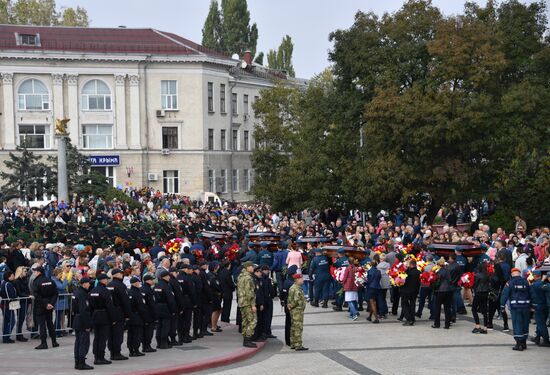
x: 61, y: 126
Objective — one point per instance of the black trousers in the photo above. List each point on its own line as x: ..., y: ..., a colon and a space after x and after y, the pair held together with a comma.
x: 267, y: 317
x: 44, y: 321
x: 226, y: 307
x: 260, y: 319
x: 206, y: 310
x: 287, y: 326
x: 197, y: 320
x: 481, y: 305
x: 163, y: 329
x: 408, y: 303
x: 135, y: 338
x: 101, y: 334
x: 81, y: 344
x: 116, y: 338
x: 174, y: 326
x: 148, y: 331
x: 185, y: 320
x: 395, y: 300
x: 445, y: 299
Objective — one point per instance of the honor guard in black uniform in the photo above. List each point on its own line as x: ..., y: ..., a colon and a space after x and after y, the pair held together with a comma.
x: 82, y: 324
x: 149, y: 320
x: 206, y: 300
x: 165, y: 309
x: 260, y: 305
x: 103, y: 312
x: 186, y: 284
x: 121, y: 303
x: 269, y: 294
x: 45, y: 297
x: 197, y: 310
x: 137, y: 316
x: 175, y: 320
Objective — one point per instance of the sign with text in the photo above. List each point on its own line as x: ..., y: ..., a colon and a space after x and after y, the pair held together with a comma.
x: 105, y: 160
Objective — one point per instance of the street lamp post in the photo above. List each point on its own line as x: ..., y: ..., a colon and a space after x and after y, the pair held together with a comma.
x: 61, y: 135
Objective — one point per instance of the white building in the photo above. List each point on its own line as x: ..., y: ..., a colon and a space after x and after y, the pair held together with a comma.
x: 150, y: 108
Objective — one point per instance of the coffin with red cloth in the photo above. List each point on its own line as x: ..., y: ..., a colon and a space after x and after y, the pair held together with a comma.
x: 350, y: 251
x: 270, y: 240
x: 445, y: 248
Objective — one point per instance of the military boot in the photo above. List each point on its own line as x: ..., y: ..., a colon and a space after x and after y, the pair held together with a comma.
x: 247, y: 343
x: 536, y: 339
x: 83, y: 366
x: 325, y: 304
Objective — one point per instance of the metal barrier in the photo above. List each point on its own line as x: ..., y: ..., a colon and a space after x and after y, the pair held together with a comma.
x: 21, y: 318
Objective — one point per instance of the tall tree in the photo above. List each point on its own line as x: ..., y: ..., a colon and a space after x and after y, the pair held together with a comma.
x: 26, y: 176
x: 212, y: 29
x: 238, y: 35
x: 43, y: 13
x: 282, y: 58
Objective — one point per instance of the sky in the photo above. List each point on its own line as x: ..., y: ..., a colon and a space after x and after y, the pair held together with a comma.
x: 308, y: 22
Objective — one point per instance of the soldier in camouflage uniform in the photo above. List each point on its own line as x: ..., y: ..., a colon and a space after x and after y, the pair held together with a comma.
x: 246, y: 298
x: 296, y: 303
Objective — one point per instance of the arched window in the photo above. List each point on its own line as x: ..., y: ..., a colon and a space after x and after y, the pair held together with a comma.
x: 33, y: 96
x: 96, y: 96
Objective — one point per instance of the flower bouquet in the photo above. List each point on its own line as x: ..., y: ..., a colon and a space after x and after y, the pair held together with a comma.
x: 379, y: 249
x: 490, y: 269
x: 398, y: 274
x: 467, y: 280
x: 530, y: 277
x: 198, y: 254
x: 173, y: 246
x: 360, y: 276
x: 233, y: 252
x: 428, y: 278
x: 338, y: 274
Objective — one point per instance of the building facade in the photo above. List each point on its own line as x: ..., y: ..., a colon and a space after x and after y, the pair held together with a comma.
x: 150, y: 108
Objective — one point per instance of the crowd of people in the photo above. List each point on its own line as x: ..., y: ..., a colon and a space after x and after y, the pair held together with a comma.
x: 109, y: 268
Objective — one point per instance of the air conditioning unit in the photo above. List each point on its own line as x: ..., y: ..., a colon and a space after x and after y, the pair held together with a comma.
x: 165, y: 151
x: 161, y: 113
x: 152, y: 176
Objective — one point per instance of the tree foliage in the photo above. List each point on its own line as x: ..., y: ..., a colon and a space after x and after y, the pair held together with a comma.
x: 229, y: 29
x: 42, y: 13
x: 282, y: 58
x: 449, y: 107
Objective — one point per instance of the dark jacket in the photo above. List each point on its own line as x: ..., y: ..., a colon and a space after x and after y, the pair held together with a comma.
x: 444, y: 281
x: 454, y: 273
x: 81, y: 309
x: 482, y: 282
x: 101, y: 302
x: 192, y: 288
x: 45, y: 293
x: 149, y: 297
x: 206, y: 296
x: 121, y: 301
x: 186, y: 285
x: 22, y: 287
x: 412, y: 282
x: 226, y: 282
x: 138, y: 310
x: 178, y: 293
x: 260, y: 294
x: 166, y: 302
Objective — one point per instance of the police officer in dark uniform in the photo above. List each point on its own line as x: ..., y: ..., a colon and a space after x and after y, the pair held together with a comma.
x: 516, y: 291
x: 177, y: 319
x: 165, y: 309
x: 269, y: 294
x: 121, y: 303
x: 82, y: 324
x: 319, y: 272
x: 206, y: 300
x: 289, y: 281
x: 137, y: 316
x: 197, y: 311
x: 103, y: 312
x: 186, y: 284
x: 45, y: 297
x: 149, y: 320
x: 260, y: 305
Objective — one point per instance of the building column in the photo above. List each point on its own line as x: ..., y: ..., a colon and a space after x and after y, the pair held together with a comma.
x: 72, y: 96
x: 57, y: 100
x: 9, y: 114
x: 135, y: 125
x: 120, y: 111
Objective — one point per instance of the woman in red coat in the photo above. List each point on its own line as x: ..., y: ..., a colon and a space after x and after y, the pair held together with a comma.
x: 350, y: 289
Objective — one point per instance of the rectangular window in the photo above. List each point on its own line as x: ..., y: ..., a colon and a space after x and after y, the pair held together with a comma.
x: 246, y: 178
x: 29, y: 40
x: 171, y: 182
x: 222, y: 98
x: 235, y: 180
x: 224, y: 180
x: 235, y: 140
x: 223, y: 141
x: 97, y: 136
x: 170, y: 137
x: 245, y: 105
x: 211, y: 180
x: 246, y: 140
x: 210, y: 139
x: 34, y: 102
x: 210, y: 97
x: 169, y: 94
x: 108, y: 172
x: 234, y: 102
x: 256, y: 98
x: 35, y: 136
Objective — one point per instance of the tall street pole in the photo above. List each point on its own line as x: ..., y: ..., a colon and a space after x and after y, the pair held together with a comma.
x: 62, y: 181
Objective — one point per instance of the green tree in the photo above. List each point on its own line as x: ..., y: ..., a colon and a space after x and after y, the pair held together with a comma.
x: 259, y: 59
x: 212, y: 29
x: 26, y: 176
x: 238, y: 35
x: 282, y: 58
x: 43, y: 13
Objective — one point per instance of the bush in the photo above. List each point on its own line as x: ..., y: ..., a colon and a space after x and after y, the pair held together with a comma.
x: 113, y: 193
x: 502, y: 218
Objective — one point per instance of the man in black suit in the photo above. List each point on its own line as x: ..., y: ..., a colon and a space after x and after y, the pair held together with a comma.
x: 408, y: 293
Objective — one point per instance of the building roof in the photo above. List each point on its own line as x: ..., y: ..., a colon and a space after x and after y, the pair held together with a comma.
x: 102, y: 40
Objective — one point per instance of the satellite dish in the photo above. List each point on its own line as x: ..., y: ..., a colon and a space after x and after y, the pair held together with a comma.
x: 235, y: 56
x: 244, y: 65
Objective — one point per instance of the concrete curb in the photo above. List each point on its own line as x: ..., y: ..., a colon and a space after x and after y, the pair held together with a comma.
x: 236, y: 356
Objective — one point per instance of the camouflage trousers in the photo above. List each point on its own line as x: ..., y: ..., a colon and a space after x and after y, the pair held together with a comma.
x: 249, y: 320
x: 296, y: 328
